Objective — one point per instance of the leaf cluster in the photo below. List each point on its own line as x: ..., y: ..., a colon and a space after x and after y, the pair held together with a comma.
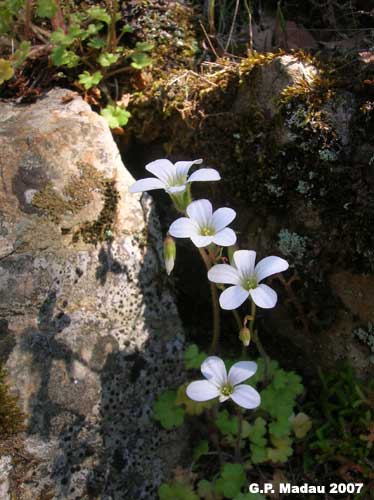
x: 344, y: 421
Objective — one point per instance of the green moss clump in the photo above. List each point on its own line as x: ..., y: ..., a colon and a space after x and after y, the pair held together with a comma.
x: 101, y: 228
x: 76, y: 195
x: 11, y: 417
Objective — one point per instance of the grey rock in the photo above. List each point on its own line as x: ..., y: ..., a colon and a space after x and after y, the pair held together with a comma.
x: 93, y: 334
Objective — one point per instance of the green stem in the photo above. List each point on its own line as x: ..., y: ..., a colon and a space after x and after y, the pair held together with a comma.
x: 263, y: 354
x: 215, y: 305
x: 257, y: 341
x: 238, y: 455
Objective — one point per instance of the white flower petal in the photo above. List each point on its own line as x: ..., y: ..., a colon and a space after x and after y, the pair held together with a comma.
x: 241, y: 371
x: 264, y: 296
x: 201, y: 241
x: 183, y: 228
x: 225, y: 238
x: 200, y: 211
x: 233, y: 297
x: 163, y: 169
x: 222, y: 217
x: 270, y: 265
x: 224, y: 273
x: 245, y: 262
x: 146, y: 185
x: 214, y: 370
x: 204, y: 174
x: 176, y: 189
x: 183, y: 167
x: 246, y: 397
x: 201, y: 390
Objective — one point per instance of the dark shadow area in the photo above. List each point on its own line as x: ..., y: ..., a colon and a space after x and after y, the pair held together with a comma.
x: 114, y: 449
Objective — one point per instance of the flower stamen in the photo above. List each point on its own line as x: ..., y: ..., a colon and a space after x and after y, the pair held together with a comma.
x: 250, y: 283
x: 207, y: 231
x: 227, y: 390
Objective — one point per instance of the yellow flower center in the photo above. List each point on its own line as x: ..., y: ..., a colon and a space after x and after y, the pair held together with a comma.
x: 207, y: 231
x: 227, y: 389
x: 250, y: 284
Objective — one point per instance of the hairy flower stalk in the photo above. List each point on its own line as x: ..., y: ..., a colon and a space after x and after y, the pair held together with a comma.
x: 219, y: 384
x: 206, y: 228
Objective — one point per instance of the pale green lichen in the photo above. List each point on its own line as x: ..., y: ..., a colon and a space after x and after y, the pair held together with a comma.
x: 366, y: 335
x: 292, y: 245
x: 327, y: 155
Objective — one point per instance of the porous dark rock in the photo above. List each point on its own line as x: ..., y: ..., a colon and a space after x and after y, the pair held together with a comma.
x: 90, y: 334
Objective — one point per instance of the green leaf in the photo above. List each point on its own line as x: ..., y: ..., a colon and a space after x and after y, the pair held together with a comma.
x: 21, y: 53
x: 99, y: 14
x: 280, y: 428
x: 167, y: 412
x: 257, y: 432
x: 232, y: 479
x: 143, y: 46
x: 192, y: 407
x: 140, y: 60
x: 127, y: 29
x: 300, y: 424
x: 226, y: 423
x: 106, y: 59
x: 62, y: 57
x: 259, y: 454
x: 94, y: 28
x: 46, y: 8
x: 6, y: 71
x: 59, y: 37
x: 282, y: 449
x: 206, y: 490
x: 193, y: 358
x: 89, y: 80
x: 75, y: 32
x: 200, y: 449
x: 176, y: 491
x: 96, y: 43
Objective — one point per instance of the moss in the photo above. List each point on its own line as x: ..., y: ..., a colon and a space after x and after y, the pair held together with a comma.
x: 101, y: 228
x: 11, y: 417
x: 75, y: 196
x: 78, y: 194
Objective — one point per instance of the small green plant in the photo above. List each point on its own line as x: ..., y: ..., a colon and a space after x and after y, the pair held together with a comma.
x: 116, y: 116
x: 86, y: 47
x: 267, y: 438
x: 344, y: 422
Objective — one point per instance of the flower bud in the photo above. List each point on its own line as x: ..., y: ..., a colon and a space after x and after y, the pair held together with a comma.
x: 170, y: 252
x: 245, y: 336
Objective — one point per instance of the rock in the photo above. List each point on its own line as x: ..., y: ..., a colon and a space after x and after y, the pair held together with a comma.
x: 5, y: 468
x: 267, y: 81
x: 356, y: 292
x: 90, y: 332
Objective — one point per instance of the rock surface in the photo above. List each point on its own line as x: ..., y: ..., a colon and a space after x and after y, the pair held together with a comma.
x: 90, y: 334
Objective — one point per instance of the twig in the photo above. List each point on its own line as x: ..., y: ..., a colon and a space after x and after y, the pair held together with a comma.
x: 232, y: 24
x: 208, y: 39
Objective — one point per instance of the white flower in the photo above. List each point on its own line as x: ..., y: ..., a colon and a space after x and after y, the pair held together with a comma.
x: 204, y: 226
x: 246, y: 278
x: 219, y: 384
x: 173, y: 178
